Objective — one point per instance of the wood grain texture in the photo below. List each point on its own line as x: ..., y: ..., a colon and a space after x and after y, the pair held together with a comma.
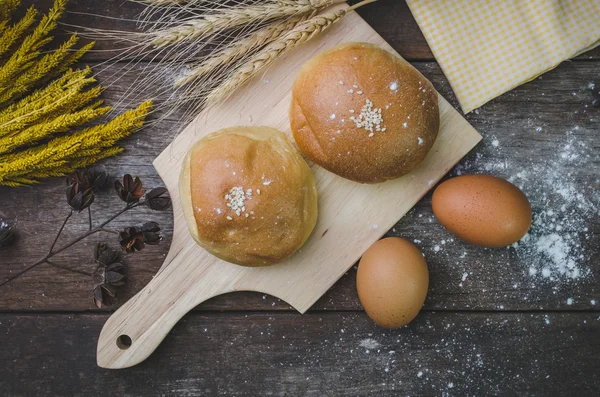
x: 511, y: 119
x: 390, y: 18
x: 324, y: 354
x: 502, y: 353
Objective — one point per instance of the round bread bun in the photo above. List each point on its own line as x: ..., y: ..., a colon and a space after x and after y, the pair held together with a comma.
x: 248, y: 196
x: 364, y: 113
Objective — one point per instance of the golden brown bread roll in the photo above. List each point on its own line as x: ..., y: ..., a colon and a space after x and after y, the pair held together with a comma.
x: 248, y: 196
x: 364, y: 113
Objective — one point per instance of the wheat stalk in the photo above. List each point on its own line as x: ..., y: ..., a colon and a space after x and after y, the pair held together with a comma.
x: 240, y: 48
x: 163, y: 3
x: 228, y: 18
x: 302, y: 33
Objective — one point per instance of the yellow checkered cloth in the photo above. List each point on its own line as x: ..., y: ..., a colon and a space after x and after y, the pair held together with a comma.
x: 487, y: 47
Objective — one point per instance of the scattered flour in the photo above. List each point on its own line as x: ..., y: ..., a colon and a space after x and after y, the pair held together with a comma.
x: 557, y: 247
x: 369, y: 344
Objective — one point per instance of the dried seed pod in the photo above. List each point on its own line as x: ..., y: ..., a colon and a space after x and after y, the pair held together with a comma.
x: 97, y: 179
x: 158, y: 199
x: 78, y: 177
x: 105, y: 255
x: 130, y: 190
x: 131, y: 239
x: 79, y: 198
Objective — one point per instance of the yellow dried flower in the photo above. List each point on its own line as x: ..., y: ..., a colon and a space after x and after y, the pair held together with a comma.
x: 8, y: 7
x: 49, y: 113
x: 62, y: 123
x: 60, y: 95
x: 12, y: 34
x: 28, y: 51
x: 38, y: 71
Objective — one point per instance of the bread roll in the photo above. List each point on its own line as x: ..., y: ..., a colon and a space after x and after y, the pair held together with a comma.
x: 364, y: 113
x: 248, y: 196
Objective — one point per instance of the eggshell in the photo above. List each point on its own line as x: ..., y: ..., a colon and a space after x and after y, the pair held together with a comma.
x: 482, y: 210
x: 392, y: 282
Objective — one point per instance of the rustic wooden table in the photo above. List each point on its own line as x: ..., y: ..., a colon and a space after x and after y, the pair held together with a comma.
x: 490, y: 326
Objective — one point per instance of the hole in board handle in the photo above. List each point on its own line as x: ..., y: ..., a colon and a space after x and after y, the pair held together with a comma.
x: 123, y: 342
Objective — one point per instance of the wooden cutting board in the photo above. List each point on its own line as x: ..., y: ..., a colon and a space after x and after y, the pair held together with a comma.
x: 351, y: 216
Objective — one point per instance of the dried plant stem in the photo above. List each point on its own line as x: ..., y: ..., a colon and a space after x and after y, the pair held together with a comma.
x: 228, y: 18
x: 68, y: 268
x: 51, y: 252
x: 302, y: 33
x: 162, y: 3
x: 239, y: 49
x: 60, y: 231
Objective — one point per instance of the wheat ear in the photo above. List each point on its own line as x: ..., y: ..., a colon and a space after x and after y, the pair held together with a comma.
x: 302, y: 33
x: 227, y: 18
x: 239, y: 49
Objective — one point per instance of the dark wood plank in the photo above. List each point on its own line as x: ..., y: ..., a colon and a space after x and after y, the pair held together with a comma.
x: 496, y: 279
x: 333, y: 354
x: 390, y: 18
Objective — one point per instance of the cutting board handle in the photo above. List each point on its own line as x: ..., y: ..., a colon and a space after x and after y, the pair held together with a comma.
x: 134, y: 331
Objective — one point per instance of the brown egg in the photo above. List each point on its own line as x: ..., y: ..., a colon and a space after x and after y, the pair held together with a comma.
x: 392, y: 282
x: 482, y: 210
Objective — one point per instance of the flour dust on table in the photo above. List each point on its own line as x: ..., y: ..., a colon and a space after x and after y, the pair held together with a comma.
x: 564, y: 205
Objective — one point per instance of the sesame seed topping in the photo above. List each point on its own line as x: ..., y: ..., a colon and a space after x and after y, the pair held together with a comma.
x: 355, y: 86
x: 405, y: 124
x: 332, y: 117
x: 341, y: 82
x: 359, y: 92
x: 394, y: 86
x: 257, y: 191
x: 350, y: 91
x: 229, y: 218
x: 351, y: 110
x: 236, y: 199
x: 370, y: 118
x: 371, y: 135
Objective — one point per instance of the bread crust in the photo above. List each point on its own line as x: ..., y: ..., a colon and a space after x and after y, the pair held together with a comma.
x: 327, y: 100
x: 277, y: 208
